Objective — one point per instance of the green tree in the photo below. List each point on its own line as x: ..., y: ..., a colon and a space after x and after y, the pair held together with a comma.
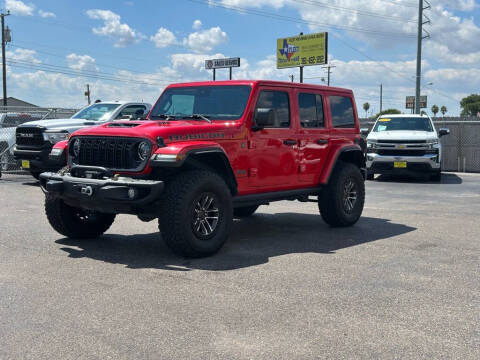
x: 435, y: 110
x: 470, y: 105
x: 388, y: 111
x: 443, y: 110
x: 366, y: 106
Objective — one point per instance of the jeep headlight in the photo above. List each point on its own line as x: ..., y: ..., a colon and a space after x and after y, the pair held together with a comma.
x: 54, y: 137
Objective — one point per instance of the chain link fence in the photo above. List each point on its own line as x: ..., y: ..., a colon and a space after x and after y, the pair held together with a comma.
x: 10, y: 118
x: 461, y: 149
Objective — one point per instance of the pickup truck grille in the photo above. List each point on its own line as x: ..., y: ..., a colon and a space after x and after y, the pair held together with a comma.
x: 29, y: 137
x: 388, y: 152
x: 113, y: 153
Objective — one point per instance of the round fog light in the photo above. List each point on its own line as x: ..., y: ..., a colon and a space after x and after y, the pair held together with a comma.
x: 132, y: 193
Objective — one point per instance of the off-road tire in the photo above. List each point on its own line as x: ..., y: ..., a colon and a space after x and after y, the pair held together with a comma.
x: 331, y: 202
x: 76, y: 223
x: 370, y: 176
x: 178, y: 213
x: 245, y: 211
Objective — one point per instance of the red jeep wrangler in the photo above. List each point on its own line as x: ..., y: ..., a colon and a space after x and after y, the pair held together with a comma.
x: 209, y: 151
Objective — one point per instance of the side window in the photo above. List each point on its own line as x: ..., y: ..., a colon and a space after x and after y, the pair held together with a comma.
x: 342, y: 112
x: 278, y: 102
x: 311, y: 110
x: 130, y: 110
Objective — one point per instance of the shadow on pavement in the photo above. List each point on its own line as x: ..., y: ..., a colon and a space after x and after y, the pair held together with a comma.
x: 252, y: 242
x: 447, y: 178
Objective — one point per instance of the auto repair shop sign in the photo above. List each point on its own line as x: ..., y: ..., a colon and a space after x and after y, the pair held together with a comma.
x: 222, y: 63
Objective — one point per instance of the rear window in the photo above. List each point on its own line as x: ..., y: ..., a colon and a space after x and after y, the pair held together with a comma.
x: 311, y: 110
x: 341, y: 108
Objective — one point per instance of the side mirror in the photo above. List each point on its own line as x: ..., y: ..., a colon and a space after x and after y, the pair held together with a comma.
x: 443, y: 131
x: 263, y: 117
x: 364, y: 131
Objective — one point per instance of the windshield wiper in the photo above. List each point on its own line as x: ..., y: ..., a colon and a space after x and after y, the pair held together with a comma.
x: 163, y: 116
x: 198, y: 117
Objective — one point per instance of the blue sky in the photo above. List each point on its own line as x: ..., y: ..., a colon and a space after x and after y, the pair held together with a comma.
x: 59, y: 46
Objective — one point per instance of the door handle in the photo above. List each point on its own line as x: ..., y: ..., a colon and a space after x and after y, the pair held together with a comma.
x: 290, y: 142
x: 322, y: 141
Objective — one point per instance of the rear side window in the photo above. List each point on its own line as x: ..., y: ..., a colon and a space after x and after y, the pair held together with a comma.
x: 341, y: 109
x: 279, y: 103
x: 311, y: 110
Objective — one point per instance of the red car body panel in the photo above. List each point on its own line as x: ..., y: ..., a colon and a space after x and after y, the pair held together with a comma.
x: 260, y: 160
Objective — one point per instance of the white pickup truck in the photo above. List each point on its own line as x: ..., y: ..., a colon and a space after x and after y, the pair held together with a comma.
x: 35, y: 139
x: 404, y: 144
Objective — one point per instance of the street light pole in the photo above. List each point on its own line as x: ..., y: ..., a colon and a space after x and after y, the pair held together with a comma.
x: 4, y: 66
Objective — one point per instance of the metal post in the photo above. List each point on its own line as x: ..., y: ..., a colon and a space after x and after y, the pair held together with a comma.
x: 381, y: 95
x: 230, y: 73
x: 213, y: 74
x: 301, y: 74
x: 419, y: 56
x: 4, y: 67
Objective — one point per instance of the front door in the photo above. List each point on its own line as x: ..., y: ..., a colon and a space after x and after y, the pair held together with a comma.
x: 273, y: 149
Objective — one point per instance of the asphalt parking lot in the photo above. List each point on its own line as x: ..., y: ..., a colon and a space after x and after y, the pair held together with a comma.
x: 402, y: 283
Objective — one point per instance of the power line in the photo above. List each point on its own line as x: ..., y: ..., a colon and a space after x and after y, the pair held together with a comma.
x: 60, y: 70
x: 356, y: 11
x: 300, y: 21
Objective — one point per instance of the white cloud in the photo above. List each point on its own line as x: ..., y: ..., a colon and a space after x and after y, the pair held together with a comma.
x: 112, y: 27
x: 163, y: 38
x: 197, y: 24
x: 23, y: 55
x: 18, y: 7
x: 206, y: 40
x: 81, y: 62
x: 46, y: 14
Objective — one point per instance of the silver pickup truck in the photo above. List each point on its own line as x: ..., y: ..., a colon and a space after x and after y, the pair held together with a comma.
x: 35, y: 139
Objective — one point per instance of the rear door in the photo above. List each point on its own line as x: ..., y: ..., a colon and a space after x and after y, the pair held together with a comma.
x: 272, y: 150
x: 313, y: 135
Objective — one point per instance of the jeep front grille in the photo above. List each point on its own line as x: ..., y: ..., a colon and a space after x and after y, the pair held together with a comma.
x: 29, y: 137
x: 114, y: 153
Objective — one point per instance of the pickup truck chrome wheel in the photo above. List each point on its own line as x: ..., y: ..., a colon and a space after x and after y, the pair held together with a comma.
x: 205, y: 215
x: 349, y: 195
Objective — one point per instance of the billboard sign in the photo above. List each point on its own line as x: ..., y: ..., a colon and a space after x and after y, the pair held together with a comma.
x: 410, y: 102
x: 302, y: 50
x: 222, y: 63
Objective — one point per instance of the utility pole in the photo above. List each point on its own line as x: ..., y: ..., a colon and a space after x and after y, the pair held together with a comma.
x: 87, y: 93
x: 381, y: 95
x: 328, y: 67
x: 5, y: 38
x: 420, y: 37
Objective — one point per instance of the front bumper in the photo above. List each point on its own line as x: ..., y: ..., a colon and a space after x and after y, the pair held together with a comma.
x: 40, y: 160
x: 107, y: 194
x: 383, y: 164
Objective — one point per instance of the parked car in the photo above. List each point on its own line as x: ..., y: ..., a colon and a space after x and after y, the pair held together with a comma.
x: 34, y: 140
x: 210, y: 151
x: 404, y: 144
x: 8, y: 123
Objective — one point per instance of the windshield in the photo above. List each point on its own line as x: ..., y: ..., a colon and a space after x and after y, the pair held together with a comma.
x: 403, y: 123
x: 218, y: 102
x: 96, y: 112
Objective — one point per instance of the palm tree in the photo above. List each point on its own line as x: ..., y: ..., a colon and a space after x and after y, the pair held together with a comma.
x: 443, y: 110
x: 435, y: 110
x: 366, y: 106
